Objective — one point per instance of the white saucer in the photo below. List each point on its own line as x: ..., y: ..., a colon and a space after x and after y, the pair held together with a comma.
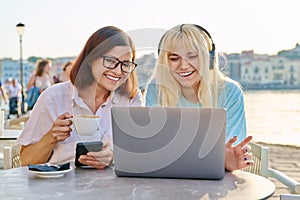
x: 53, y: 174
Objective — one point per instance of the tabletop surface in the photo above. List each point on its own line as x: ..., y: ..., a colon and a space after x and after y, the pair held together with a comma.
x: 10, y: 134
x: 19, y: 183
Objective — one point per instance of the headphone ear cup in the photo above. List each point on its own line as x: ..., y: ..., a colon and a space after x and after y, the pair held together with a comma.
x: 211, y: 59
x: 159, y: 44
x: 212, y: 51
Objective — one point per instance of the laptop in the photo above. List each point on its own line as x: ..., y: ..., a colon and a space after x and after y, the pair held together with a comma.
x: 169, y: 142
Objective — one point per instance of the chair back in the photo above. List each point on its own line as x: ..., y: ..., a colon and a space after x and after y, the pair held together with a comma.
x: 256, y: 151
x: 260, y: 158
x: 11, y: 156
x: 289, y: 197
x: 261, y: 167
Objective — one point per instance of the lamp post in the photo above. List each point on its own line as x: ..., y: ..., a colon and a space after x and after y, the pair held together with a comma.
x: 20, y: 29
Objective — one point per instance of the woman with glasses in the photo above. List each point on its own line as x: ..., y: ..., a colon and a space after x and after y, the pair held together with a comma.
x: 187, y: 75
x: 102, y: 76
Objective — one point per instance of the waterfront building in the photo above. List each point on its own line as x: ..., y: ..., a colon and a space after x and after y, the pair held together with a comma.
x: 253, y: 71
x: 234, y: 64
x: 145, y: 68
x: 10, y: 68
x: 292, y: 72
x: 261, y: 71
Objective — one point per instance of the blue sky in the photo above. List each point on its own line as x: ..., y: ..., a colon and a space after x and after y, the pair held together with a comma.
x: 56, y: 28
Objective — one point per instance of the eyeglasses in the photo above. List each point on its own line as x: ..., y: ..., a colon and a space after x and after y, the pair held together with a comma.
x: 110, y: 62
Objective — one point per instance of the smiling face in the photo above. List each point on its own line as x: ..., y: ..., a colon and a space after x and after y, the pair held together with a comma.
x: 68, y: 69
x: 48, y: 67
x: 184, y: 64
x: 111, y: 79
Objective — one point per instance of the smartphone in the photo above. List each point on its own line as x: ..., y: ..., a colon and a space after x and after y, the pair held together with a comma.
x: 83, y: 148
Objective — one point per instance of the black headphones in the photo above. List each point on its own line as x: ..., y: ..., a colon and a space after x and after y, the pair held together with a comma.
x: 211, y: 52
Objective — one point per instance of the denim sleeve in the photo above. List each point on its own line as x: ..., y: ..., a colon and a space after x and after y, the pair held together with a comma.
x: 233, y: 100
x: 151, y: 95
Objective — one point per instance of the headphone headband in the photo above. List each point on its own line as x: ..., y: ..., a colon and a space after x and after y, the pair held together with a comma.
x: 211, y: 51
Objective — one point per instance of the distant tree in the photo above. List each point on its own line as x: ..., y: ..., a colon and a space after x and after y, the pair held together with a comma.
x: 34, y: 59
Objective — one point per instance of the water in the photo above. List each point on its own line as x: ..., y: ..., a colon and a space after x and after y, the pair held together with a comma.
x: 273, y: 116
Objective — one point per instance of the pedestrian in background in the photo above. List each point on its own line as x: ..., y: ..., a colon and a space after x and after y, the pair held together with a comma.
x: 3, y: 93
x: 38, y: 82
x: 15, y: 94
x: 66, y: 70
x: 41, y: 77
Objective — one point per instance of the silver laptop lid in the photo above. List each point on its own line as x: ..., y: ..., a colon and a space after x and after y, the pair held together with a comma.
x: 169, y: 142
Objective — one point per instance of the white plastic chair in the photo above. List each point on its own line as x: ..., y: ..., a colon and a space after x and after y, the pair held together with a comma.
x: 17, y: 123
x: 289, y: 197
x: 261, y: 167
x: 11, y: 156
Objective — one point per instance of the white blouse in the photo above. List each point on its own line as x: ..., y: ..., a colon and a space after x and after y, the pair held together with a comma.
x: 42, y: 82
x: 61, y: 98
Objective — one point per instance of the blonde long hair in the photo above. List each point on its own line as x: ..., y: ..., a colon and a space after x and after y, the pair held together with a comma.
x: 211, y: 81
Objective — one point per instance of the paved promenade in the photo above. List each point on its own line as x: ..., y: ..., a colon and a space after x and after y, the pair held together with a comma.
x: 281, y: 157
x: 287, y: 160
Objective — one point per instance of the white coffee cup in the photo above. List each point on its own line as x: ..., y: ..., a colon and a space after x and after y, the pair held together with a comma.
x: 86, y: 124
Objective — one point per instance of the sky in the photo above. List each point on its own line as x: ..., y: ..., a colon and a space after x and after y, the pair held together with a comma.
x: 60, y: 28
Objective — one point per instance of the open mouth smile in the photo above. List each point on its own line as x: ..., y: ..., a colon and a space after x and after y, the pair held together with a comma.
x: 113, y: 78
x: 185, y: 74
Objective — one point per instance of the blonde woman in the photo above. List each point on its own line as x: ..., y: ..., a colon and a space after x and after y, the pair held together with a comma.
x: 187, y: 75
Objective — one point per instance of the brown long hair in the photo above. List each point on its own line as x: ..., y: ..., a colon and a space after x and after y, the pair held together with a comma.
x: 99, y: 43
x: 41, y: 64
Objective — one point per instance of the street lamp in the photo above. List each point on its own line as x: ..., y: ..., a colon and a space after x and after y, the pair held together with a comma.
x: 20, y: 29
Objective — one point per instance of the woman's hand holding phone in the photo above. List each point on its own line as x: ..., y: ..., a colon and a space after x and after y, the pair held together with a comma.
x: 94, y: 157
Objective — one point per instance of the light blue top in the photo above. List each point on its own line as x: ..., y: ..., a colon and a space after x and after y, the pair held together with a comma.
x: 231, y: 99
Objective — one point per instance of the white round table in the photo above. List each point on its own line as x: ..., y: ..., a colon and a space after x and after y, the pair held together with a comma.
x: 19, y: 183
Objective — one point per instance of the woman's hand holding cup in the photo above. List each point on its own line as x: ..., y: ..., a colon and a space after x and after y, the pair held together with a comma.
x: 61, y: 128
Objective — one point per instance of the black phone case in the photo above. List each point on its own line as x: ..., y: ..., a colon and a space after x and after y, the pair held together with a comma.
x: 83, y: 148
